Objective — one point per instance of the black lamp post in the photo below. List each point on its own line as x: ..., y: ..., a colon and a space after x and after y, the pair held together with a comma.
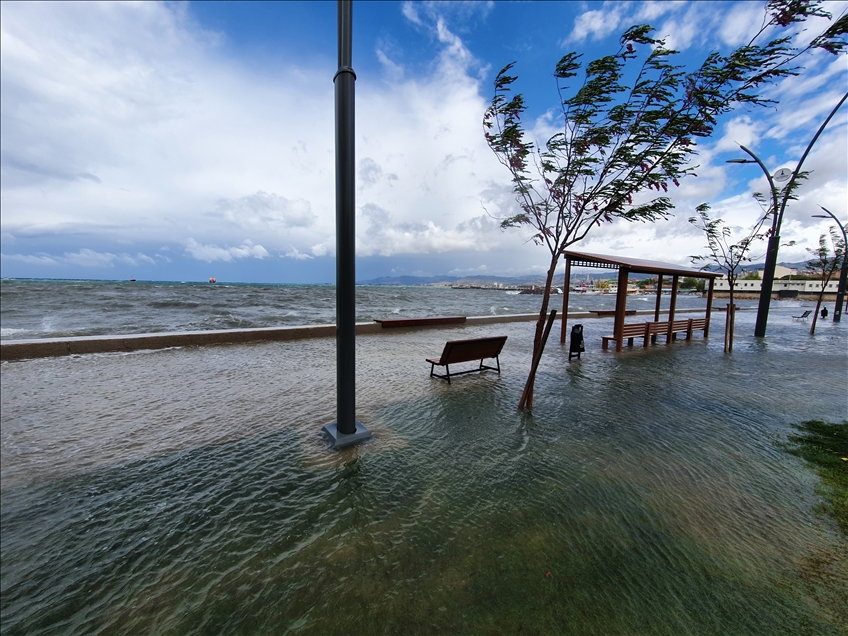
x: 774, y: 239
x: 347, y: 430
x: 784, y: 174
x: 843, y: 275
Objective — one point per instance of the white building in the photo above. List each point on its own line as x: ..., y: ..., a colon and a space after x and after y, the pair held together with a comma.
x: 801, y: 286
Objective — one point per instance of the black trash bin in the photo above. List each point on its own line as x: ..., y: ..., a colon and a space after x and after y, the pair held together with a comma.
x: 575, y: 347
x: 823, y: 312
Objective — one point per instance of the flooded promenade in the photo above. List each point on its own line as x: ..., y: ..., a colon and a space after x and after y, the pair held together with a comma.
x: 187, y: 490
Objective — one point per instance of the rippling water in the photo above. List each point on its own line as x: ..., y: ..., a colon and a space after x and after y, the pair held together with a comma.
x: 54, y: 309
x: 186, y: 491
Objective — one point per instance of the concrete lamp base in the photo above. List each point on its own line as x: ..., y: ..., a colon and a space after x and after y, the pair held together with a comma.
x: 338, y: 440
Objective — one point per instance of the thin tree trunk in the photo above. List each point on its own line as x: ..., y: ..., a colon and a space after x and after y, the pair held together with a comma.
x: 527, y: 395
x: 729, y: 325
x: 816, y: 312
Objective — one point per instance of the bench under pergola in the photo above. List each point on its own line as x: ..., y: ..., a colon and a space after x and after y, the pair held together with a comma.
x: 625, y: 267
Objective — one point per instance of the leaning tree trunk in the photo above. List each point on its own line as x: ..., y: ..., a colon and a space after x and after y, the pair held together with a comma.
x: 526, y: 400
x: 730, y: 323
x: 816, y: 312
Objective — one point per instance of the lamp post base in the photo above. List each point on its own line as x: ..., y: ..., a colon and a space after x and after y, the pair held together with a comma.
x: 338, y: 440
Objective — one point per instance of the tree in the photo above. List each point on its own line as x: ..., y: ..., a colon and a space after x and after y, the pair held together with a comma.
x: 621, y: 139
x: 697, y: 284
x: 726, y: 254
x: 823, y: 265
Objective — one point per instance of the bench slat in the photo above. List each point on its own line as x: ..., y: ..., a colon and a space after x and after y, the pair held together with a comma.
x: 649, y: 330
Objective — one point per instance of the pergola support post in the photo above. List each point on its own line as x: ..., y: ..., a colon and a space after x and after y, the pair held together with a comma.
x: 709, y: 307
x: 620, y: 307
x: 565, y: 299
x: 657, y: 305
x: 669, y: 338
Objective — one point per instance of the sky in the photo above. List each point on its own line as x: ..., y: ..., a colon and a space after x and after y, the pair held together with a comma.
x: 182, y: 141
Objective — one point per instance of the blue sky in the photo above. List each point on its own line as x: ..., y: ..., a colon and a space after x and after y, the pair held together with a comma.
x: 180, y: 141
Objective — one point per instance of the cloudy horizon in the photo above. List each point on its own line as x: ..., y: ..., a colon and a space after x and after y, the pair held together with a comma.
x: 182, y: 141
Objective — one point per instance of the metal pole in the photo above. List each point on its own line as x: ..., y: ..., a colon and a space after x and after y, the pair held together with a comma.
x: 347, y: 430
x: 771, y: 253
x: 774, y: 239
x: 345, y: 230
x: 843, y: 275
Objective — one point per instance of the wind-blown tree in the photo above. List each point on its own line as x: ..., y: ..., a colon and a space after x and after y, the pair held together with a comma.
x: 727, y: 255
x: 824, y: 265
x: 628, y: 127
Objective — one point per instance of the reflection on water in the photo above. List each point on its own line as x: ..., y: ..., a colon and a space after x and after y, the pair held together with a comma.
x: 187, y: 491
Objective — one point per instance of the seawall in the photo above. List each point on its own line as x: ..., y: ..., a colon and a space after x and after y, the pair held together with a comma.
x: 51, y: 347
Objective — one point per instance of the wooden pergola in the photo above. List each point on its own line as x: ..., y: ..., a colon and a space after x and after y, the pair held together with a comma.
x: 625, y: 267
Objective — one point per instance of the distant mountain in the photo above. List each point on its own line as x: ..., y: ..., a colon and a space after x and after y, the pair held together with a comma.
x: 408, y: 280
x: 488, y: 281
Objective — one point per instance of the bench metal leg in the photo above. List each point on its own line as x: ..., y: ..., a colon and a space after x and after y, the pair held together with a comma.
x: 497, y: 362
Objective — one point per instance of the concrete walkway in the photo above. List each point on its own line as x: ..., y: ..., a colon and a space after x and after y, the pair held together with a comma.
x: 50, y: 347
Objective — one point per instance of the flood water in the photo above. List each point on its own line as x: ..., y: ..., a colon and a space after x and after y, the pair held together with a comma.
x: 187, y: 491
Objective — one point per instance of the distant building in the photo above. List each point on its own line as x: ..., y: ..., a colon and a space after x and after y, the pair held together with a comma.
x: 800, y: 286
x: 780, y: 271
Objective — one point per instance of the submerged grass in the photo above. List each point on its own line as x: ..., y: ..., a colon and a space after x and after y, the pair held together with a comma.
x: 825, y: 446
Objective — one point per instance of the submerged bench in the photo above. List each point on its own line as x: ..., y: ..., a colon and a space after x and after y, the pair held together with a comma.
x: 648, y: 331
x: 457, y: 351
x: 421, y: 322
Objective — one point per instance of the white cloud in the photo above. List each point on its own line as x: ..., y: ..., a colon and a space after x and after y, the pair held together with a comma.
x: 597, y: 24
x: 84, y: 257
x: 30, y: 259
x: 189, y: 149
x: 612, y: 17
x: 470, y: 271
x: 410, y: 13
x: 328, y: 246
x: 266, y: 209
x: 211, y: 253
x: 394, y: 72
x: 297, y: 255
x: 126, y: 123
x: 737, y: 24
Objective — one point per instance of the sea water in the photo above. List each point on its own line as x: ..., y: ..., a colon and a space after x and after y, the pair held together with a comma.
x: 54, y: 309
x: 187, y: 490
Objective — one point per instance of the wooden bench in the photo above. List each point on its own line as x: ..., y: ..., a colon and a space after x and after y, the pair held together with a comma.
x: 467, y: 351
x: 421, y: 322
x: 685, y: 326
x: 629, y: 331
x: 648, y: 331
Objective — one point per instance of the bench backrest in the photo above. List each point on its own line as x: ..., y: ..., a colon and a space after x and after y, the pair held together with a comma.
x: 633, y: 329
x: 473, y: 349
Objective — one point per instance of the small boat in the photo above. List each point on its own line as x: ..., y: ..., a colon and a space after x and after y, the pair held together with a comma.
x: 212, y: 280
x: 132, y: 279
